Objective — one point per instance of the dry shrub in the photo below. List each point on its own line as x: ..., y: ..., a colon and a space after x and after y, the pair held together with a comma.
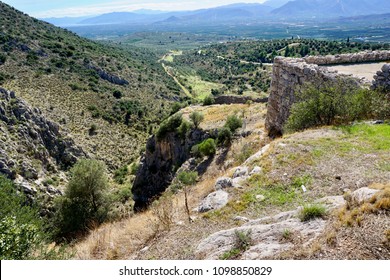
x: 163, y: 210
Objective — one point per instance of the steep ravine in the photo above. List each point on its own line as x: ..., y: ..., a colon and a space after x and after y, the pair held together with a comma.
x: 160, y: 162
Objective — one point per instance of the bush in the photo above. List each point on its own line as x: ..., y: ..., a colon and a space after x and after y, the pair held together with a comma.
x: 22, y: 231
x: 196, y: 118
x: 335, y: 103
x: 120, y: 175
x: 20, y: 225
x: 85, y: 199
x: 117, y: 94
x: 183, y: 129
x: 169, y: 125
x: 206, y: 148
x: 233, y: 123
x: 3, y: 58
x: 208, y: 100
x: 176, y: 108
x: 224, y: 137
x: 313, y: 211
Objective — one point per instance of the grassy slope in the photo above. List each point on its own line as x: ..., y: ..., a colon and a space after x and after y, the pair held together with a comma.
x: 46, y: 66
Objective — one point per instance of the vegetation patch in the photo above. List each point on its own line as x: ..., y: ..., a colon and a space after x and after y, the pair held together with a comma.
x: 312, y: 211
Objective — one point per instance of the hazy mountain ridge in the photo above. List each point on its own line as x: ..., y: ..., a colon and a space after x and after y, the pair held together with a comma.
x: 297, y: 9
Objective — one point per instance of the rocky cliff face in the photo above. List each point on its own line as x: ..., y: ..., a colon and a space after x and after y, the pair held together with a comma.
x: 159, y: 164
x: 31, y: 147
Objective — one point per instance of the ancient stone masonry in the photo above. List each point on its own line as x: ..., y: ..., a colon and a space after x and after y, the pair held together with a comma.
x: 382, y: 78
x: 290, y: 73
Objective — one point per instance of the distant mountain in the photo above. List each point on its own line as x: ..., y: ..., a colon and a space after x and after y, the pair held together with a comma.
x: 239, y: 13
x: 276, y: 3
x: 332, y: 8
x: 65, y: 21
x: 117, y: 18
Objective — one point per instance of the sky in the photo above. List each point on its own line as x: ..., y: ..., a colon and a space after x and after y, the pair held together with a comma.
x: 76, y: 8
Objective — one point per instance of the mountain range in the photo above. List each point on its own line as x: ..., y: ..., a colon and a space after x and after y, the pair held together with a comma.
x: 240, y: 12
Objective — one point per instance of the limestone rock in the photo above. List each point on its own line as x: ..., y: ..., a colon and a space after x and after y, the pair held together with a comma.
x: 363, y: 195
x: 256, y: 170
x: 223, y: 183
x: 215, y: 200
x: 241, y: 171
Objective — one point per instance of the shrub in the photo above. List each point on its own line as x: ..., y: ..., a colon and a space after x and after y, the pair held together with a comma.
x: 335, y: 103
x: 183, y: 129
x: 120, y: 174
x: 176, y: 108
x: 169, y: 125
x: 205, y: 148
x: 22, y: 230
x: 233, y: 123
x: 117, y: 94
x: 224, y: 136
x: 208, y: 100
x: 196, y: 118
x: 3, y: 58
x: 92, y: 130
x: 20, y: 226
x: 312, y: 211
x: 242, y: 242
x: 85, y: 199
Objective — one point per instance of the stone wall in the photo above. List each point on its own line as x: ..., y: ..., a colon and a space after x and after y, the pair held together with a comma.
x: 290, y: 73
x: 234, y: 99
x: 382, y: 78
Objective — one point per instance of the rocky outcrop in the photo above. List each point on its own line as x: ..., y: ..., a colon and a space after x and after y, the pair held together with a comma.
x: 160, y: 162
x: 107, y: 76
x: 382, y: 78
x: 290, y: 73
x: 274, y: 234
x: 31, y: 145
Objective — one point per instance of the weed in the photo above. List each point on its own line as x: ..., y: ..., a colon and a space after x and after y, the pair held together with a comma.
x: 312, y: 211
x: 242, y: 242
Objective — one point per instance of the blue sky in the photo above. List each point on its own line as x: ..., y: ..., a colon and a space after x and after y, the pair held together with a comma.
x: 61, y: 8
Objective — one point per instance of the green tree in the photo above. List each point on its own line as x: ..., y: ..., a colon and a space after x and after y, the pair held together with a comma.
x: 85, y: 201
x: 196, y: 118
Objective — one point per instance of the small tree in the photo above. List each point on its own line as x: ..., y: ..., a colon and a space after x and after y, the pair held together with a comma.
x: 224, y: 137
x: 85, y: 199
x: 187, y: 178
x: 207, y: 147
x: 196, y: 118
x: 233, y: 123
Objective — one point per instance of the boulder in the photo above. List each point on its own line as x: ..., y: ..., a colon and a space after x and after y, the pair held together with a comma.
x: 256, y: 170
x: 215, y: 200
x: 363, y: 195
x: 241, y: 171
x: 223, y: 183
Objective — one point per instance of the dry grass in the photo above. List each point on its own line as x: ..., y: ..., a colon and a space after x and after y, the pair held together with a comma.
x: 357, y: 231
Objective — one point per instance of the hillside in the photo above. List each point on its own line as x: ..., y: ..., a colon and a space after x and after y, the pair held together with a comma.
x: 258, y: 187
x: 107, y: 99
